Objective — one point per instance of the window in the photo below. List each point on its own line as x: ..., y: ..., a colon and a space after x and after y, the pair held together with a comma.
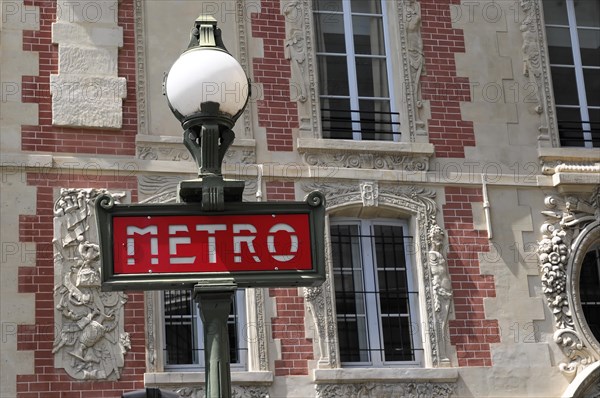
x: 589, y: 285
x: 184, y: 337
x: 354, y: 73
x: 573, y: 31
x: 375, y: 297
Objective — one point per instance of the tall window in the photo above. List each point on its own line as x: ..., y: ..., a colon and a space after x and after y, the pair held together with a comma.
x: 589, y: 287
x: 573, y: 30
x: 354, y: 73
x: 184, y: 335
x: 375, y: 297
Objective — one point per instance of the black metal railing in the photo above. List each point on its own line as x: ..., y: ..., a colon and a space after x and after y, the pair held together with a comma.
x: 374, y: 125
x: 572, y: 133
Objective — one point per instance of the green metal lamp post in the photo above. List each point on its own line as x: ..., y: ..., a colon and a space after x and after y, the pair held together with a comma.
x: 207, y: 90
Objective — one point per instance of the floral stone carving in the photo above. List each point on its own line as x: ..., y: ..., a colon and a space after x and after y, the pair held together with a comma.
x: 91, y: 341
x: 569, y: 220
x: 391, y: 390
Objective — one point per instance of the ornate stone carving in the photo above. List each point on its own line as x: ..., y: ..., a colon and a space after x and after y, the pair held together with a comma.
x: 237, y: 391
x: 242, y: 57
x: 366, y: 161
x: 300, y: 51
x: 441, y: 286
x: 140, y: 57
x: 416, y: 59
x: 568, y: 220
x: 419, y: 202
x: 369, y: 191
x: 536, y: 69
x: 173, y: 153
x: 391, y: 390
x: 91, y: 341
x: 295, y: 49
x: 553, y: 167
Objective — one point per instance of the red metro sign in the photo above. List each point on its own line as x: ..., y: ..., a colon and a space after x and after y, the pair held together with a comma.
x: 163, y: 246
x: 182, y: 244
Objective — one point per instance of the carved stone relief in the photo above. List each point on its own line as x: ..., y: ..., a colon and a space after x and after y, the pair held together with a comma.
x: 299, y: 50
x: 569, y: 220
x: 415, y: 59
x: 552, y: 167
x: 237, y: 391
x: 536, y: 70
x: 91, y: 341
x: 437, y: 290
x: 441, y: 285
x: 366, y: 160
x: 369, y: 191
x: 391, y: 390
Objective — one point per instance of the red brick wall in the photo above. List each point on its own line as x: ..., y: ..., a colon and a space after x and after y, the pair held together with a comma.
x: 289, y: 326
x: 276, y: 112
x: 47, y: 381
x: 36, y: 89
x: 441, y: 86
x: 470, y: 332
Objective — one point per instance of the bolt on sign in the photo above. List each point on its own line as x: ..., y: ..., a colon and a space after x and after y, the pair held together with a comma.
x: 169, y: 246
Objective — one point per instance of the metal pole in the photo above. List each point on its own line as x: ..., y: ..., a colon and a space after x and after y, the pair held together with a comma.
x: 214, y: 303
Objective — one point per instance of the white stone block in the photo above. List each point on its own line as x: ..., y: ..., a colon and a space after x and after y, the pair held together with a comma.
x: 87, y: 11
x: 87, y: 60
x: 87, y: 101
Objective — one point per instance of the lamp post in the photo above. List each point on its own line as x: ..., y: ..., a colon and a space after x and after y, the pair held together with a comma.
x: 207, y: 90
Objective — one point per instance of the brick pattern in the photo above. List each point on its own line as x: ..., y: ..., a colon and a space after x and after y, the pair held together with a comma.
x: 47, y: 381
x: 289, y: 326
x: 36, y: 89
x: 280, y: 190
x: 276, y: 111
x: 441, y: 86
x: 470, y: 332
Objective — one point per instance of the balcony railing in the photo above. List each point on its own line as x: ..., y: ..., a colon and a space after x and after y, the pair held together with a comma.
x: 362, y: 125
x: 579, y: 134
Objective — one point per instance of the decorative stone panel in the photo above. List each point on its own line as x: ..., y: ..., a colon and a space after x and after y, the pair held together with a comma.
x: 87, y: 91
x: 380, y: 390
x: 572, y: 226
x: 90, y: 341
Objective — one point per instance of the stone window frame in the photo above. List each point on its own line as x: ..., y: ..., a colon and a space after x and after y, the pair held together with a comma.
x: 414, y: 151
x: 565, y: 165
x: 419, y: 208
x: 572, y: 226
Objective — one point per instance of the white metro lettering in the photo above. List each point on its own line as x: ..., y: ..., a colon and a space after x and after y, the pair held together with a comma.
x: 181, y: 240
x: 212, y: 242
x: 238, y: 240
x: 271, y: 242
x: 152, y: 230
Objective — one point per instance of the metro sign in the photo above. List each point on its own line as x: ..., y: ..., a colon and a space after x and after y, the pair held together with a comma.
x: 170, y: 246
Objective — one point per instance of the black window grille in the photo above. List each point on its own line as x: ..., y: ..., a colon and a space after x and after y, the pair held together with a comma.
x: 373, y: 294
x: 183, y: 331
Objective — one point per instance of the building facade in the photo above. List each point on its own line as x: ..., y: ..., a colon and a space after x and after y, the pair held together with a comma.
x: 456, y: 143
